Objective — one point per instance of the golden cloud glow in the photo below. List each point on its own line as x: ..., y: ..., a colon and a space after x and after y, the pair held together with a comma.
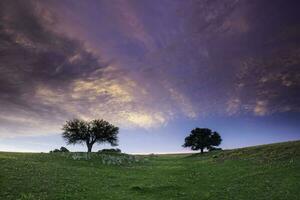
x: 261, y: 108
x: 48, y: 95
x: 102, y: 87
x: 119, y: 101
x: 146, y: 120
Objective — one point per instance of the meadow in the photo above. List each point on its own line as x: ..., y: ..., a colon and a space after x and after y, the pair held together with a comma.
x: 260, y: 172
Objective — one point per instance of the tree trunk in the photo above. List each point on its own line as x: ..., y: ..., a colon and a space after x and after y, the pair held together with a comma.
x: 201, y: 150
x: 89, y: 146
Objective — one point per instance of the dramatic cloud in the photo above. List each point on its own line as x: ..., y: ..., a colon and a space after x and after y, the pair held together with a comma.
x: 145, y: 63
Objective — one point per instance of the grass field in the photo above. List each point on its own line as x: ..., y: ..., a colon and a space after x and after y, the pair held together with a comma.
x: 262, y: 172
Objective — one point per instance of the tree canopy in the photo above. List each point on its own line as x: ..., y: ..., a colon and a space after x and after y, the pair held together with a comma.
x: 201, y: 138
x: 78, y: 131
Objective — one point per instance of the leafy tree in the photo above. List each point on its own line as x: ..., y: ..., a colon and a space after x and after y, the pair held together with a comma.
x: 201, y: 138
x: 90, y: 132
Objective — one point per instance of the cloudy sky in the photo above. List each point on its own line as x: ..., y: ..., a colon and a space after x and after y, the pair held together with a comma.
x: 154, y: 68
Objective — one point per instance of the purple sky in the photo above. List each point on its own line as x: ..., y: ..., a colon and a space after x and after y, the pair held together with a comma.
x: 156, y: 69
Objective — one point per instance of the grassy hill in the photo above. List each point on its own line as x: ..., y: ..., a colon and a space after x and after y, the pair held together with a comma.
x: 261, y: 172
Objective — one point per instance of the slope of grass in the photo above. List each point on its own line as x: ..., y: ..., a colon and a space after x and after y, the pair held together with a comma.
x: 262, y: 172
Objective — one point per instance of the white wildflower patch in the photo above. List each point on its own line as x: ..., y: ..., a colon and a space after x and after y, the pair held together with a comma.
x: 105, y: 158
x: 117, y: 159
x: 80, y: 156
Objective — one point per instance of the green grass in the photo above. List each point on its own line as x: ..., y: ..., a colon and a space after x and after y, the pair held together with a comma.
x: 262, y: 172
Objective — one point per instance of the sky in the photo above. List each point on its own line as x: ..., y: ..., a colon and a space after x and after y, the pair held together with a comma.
x: 156, y: 69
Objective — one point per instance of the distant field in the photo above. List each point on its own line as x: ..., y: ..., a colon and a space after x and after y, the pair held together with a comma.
x: 263, y: 172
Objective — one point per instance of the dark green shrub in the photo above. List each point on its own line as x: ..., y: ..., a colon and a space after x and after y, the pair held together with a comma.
x: 214, y: 149
x: 110, y: 151
x: 55, y: 151
x: 62, y: 149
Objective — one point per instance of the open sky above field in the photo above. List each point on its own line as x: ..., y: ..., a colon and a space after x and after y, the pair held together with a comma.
x: 154, y: 68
